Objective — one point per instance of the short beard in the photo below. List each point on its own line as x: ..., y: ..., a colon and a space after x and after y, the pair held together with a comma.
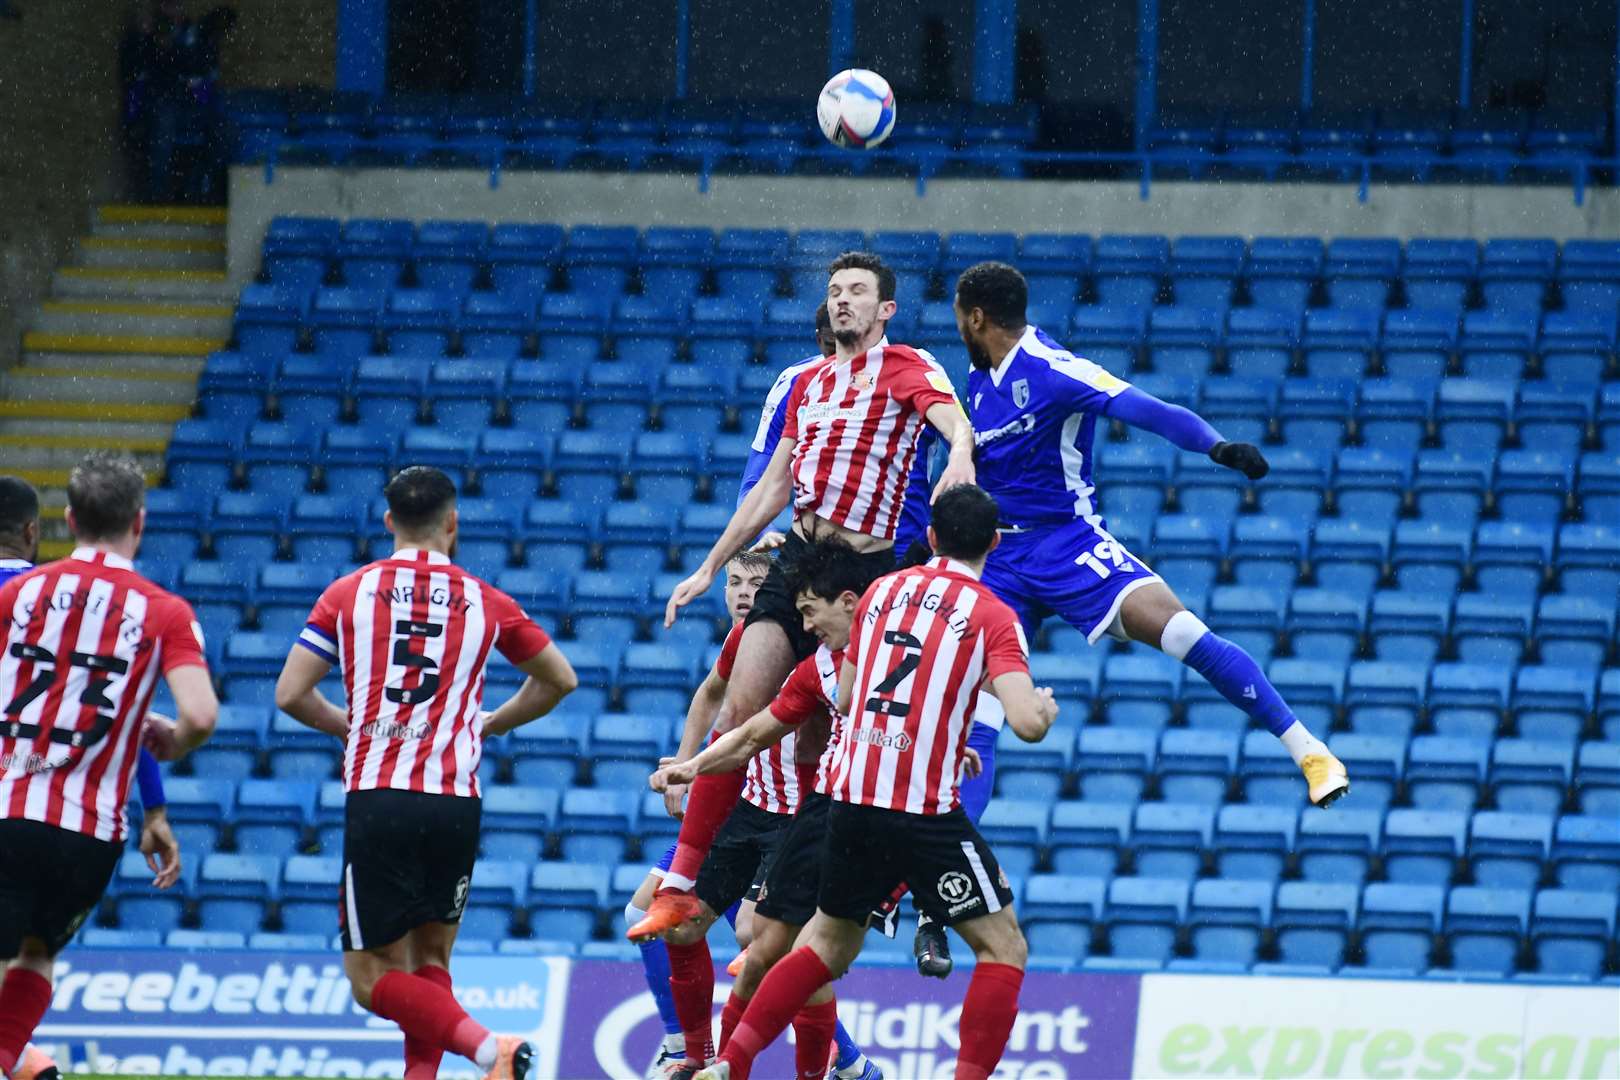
x: 980, y: 359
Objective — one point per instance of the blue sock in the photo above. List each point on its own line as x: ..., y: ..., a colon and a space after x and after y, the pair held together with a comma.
x: 655, y: 964
x: 1234, y: 673
x: 848, y: 1052
x: 731, y: 914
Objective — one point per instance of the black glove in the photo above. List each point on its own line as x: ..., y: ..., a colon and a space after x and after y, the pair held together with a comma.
x: 1246, y: 458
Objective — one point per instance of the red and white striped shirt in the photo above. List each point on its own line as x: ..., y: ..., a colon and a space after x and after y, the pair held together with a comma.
x: 855, y: 427
x: 85, y: 641
x: 412, y: 634
x: 772, y: 782
x: 812, y: 691
x: 922, y: 642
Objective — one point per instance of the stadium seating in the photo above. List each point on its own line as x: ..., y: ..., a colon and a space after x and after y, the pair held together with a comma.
x: 1429, y: 573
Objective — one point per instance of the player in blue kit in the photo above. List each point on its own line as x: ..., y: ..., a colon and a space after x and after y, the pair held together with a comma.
x: 929, y: 945
x: 1035, y: 408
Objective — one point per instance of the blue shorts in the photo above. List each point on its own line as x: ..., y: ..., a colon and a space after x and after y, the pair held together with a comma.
x: 1074, y: 571
x: 975, y: 793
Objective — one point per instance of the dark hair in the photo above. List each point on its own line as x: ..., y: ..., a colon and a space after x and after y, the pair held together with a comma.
x: 829, y: 568
x: 750, y: 560
x: 105, y: 492
x: 419, y: 497
x: 19, y: 504
x: 865, y: 260
x: 965, y: 519
x: 823, y: 320
x: 998, y: 290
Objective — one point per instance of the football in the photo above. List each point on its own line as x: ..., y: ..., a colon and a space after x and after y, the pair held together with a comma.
x: 856, y: 109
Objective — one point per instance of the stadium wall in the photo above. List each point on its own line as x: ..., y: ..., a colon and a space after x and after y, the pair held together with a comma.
x: 282, y: 43
x: 59, y: 110
x: 234, y: 1013
x: 644, y: 199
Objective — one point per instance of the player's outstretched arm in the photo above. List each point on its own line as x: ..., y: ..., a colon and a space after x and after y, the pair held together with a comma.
x: 550, y: 679
x: 196, y: 710
x: 755, y: 512
x: 1186, y: 429
x: 953, y: 425
x: 298, y: 694
x: 160, y: 847
x: 1030, y: 710
x: 727, y: 753
x: 700, y: 717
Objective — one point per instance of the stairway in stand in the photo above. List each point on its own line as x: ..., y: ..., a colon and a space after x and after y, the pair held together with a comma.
x: 111, y: 359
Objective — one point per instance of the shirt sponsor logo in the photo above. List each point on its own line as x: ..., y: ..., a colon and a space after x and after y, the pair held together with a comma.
x: 873, y: 737
x: 1020, y: 426
x: 954, y: 887
x: 31, y: 764
x: 826, y: 411
x: 387, y: 729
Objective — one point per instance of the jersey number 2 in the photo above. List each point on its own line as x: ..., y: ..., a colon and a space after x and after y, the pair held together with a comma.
x: 405, y: 630
x: 883, y: 702
x: 103, y: 669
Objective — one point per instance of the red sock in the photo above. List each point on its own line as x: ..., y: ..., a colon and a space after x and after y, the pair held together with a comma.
x: 814, y: 1027
x: 427, y: 1012
x: 24, y: 997
x: 779, y: 998
x: 988, y: 1013
x: 691, y: 980
x: 708, y: 804
x: 733, y: 1012
x: 422, y: 1060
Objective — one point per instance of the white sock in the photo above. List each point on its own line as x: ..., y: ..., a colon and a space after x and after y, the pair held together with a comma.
x: 676, y: 881
x: 488, y: 1051
x: 674, y: 1044
x: 1300, y: 743
x: 854, y: 1069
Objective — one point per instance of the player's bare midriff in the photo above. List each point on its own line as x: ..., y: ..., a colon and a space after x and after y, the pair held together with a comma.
x: 811, y: 527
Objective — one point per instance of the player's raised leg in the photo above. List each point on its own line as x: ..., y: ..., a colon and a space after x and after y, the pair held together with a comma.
x: 1153, y: 616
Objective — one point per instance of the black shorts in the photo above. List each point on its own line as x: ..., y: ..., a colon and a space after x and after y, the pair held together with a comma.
x: 789, y: 893
x: 740, y: 856
x: 51, y: 879
x: 407, y: 861
x: 773, y: 602
x: 952, y: 872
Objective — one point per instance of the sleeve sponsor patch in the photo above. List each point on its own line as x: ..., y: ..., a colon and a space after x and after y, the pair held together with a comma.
x: 941, y: 382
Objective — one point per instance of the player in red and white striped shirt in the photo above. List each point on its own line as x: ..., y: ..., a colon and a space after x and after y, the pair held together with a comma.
x: 413, y: 634
x: 83, y: 644
x: 923, y: 642
x: 847, y: 445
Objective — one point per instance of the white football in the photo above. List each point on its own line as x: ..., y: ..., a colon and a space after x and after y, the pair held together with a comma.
x: 856, y: 109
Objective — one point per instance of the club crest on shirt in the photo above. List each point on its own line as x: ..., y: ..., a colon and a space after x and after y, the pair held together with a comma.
x: 1020, y: 390
x: 862, y: 381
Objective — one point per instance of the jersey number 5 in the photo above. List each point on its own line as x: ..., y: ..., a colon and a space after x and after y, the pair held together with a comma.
x: 405, y: 631
x: 103, y: 669
x: 883, y: 702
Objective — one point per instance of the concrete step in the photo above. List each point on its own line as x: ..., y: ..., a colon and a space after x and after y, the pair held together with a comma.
x: 105, y: 283
x: 69, y: 385
x: 56, y: 479
x: 144, y: 230
x: 117, y: 253
x: 133, y: 214
x: 48, y: 431
x: 53, y: 548
x: 36, y: 342
x: 130, y: 365
x: 115, y: 318
x: 45, y: 411
x: 64, y: 458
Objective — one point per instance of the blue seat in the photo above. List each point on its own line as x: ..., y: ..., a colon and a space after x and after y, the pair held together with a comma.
x: 1497, y: 343
x: 239, y: 877
x: 1492, y: 628
x: 1206, y: 268
x: 1313, y: 921
x: 1270, y: 777
x: 1227, y: 917
x: 447, y: 254
x: 1376, y: 762
x: 1170, y: 838
x: 1194, y: 765
x: 1336, y: 847
x: 1143, y: 914
x: 153, y: 914
x: 1507, y: 850
x: 1437, y: 272
x: 1254, y: 842
x: 1086, y: 837
x: 1421, y: 847
x: 1281, y: 270
x: 569, y: 885
x: 1532, y: 777
x: 1572, y: 931
x: 1358, y: 271
x: 1597, y: 776
x: 297, y: 250
x: 1339, y: 342
x: 1485, y: 927
x: 1261, y: 341
x: 1398, y: 924
x: 1586, y: 852
x: 524, y: 808
x: 419, y: 322
x: 1445, y: 773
